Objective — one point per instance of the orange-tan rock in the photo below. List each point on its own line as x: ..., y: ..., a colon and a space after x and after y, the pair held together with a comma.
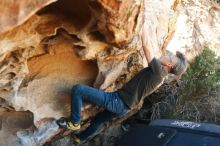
x: 95, y: 42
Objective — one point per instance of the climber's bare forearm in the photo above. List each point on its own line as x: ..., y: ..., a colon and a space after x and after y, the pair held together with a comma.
x: 147, y: 47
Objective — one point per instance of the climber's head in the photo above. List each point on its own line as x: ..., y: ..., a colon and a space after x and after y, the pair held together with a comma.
x: 175, y: 64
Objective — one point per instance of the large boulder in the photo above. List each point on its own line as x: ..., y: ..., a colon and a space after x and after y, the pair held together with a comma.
x: 46, y: 48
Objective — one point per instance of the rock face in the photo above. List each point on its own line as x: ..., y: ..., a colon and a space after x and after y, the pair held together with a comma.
x: 46, y: 48
x: 118, y: 20
x: 197, y: 26
x: 10, y: 123
x: 16, y: 12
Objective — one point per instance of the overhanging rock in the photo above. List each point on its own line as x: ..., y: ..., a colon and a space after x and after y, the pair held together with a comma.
x: 96, y: 43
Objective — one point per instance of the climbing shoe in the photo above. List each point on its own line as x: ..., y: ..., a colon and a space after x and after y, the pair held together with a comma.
x: 67, y: 124
x: 76, y: 140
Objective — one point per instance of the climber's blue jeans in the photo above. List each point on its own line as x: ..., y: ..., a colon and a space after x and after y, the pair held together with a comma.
x: 110, y: 101
x: 97, y: 123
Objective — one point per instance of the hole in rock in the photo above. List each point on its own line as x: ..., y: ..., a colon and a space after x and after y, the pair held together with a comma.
x: 72, y: 37
x: 11, y: 75
x: 79, y: 48
x: 96, y: 35
x: 75, y: 11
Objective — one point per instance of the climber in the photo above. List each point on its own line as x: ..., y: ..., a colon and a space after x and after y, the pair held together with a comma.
x: 118, y: 103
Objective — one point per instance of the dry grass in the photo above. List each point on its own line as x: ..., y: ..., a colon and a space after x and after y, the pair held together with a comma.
x: 205, y: 109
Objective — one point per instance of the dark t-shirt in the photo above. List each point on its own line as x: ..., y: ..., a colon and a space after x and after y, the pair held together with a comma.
x: 143, y: 84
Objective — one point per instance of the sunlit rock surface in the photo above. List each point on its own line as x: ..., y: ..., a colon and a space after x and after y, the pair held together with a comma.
x: 160, y: 19
x: 118, y: 20
x: 15, y: 12
x: 197, y: 26
x: 96, y: 43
